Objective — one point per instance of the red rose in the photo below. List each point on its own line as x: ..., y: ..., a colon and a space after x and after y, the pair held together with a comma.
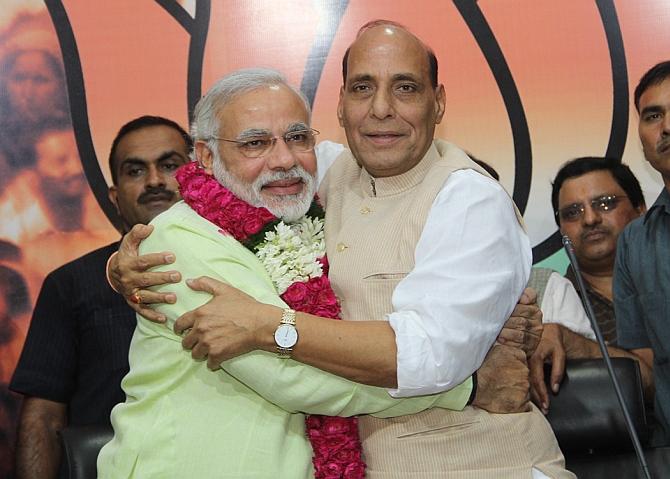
x: 333, y: 470
x: 354, y: 470
x: 314, y: 421
x: 336, y: 425
x: 253, y: 225
x: 295, y: 294
x: 236, y: 210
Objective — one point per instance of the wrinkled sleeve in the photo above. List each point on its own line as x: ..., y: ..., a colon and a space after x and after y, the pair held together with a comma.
x: 561, y: 305
x: 472, y: 262
x: 289, y: 384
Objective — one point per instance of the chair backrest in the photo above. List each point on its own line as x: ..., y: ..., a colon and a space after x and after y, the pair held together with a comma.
x: 80, y: 446
x: 585, y: 415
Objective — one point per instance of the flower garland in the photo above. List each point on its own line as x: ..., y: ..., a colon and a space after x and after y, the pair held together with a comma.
x: 294, y: 256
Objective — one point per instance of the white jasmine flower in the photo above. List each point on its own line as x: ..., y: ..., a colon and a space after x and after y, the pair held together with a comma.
x: 290, y: 253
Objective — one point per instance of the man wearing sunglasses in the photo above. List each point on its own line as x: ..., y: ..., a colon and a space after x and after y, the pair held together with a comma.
x: 593, y: 199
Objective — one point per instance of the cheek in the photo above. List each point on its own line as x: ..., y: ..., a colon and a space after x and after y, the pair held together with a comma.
x: 171, y: 182
x: 247, y: 171
x: 573, y: 230
x: 648, y: 139
x: 127, y: 196
x: 309, y: 164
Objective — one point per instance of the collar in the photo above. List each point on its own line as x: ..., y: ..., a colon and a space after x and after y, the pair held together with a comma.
x: 662, y: 204
x: 391, y: 185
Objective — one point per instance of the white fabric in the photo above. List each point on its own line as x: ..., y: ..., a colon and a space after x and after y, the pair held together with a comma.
x: 561, y: 305
x: 473, y: 247
x: 537, y: 474
x: 326, y: 154
x: 471, y: 264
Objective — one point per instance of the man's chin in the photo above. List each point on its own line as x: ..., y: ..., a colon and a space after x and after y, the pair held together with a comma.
x: 287, y: 207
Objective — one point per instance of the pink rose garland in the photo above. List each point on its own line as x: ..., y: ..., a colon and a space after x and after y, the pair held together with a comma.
x: 335, y: 440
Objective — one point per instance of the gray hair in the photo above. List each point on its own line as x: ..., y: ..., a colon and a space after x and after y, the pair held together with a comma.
x: 206, y: 113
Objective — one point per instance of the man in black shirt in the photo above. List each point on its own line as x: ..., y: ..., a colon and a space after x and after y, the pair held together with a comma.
x: 76, y: 351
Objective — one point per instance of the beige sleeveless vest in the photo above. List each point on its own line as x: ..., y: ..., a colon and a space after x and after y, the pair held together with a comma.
x: 372, y: 228
x: 374, y: 224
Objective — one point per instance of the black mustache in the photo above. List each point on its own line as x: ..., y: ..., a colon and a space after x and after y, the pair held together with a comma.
x: 663, y: 145
x: 597, y: 229
x: 156, y: 194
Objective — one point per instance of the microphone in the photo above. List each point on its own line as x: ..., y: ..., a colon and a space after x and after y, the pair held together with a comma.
x: 569, y: 249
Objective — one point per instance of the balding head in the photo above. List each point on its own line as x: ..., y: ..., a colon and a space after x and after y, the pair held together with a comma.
x: 430, y: 55
x: 389, y: 105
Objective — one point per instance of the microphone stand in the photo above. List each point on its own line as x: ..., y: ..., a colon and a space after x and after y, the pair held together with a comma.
x: 567, y: 244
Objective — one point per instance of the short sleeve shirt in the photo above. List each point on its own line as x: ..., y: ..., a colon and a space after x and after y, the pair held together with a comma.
x: 76, y: 350
x: 642, y: 295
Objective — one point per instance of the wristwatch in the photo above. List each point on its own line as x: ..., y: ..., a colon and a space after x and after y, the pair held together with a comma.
x: 286, y: 334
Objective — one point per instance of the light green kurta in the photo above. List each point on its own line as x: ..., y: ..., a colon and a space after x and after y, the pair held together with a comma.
x: 243, y: 421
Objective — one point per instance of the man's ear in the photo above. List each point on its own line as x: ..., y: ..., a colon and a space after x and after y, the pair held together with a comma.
x: 112, y: 195
x: 340, y: 112
x: 204, y: 156
x: 440, y: 103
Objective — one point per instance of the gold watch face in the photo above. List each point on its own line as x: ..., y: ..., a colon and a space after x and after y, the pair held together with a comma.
x: 286, y: 336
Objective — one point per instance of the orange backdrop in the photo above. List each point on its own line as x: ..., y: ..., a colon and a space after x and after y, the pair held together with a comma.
x: 530, y: 85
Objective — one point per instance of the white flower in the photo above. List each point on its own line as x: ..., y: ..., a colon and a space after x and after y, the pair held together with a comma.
x: 290, y: 252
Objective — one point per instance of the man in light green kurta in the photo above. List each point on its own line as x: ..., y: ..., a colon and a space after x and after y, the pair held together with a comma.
x: 245, y: 420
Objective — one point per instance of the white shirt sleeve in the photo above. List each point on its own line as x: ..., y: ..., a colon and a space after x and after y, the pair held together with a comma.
x: 472, y: 263
x: 326, y: 154
x: 561, y: 305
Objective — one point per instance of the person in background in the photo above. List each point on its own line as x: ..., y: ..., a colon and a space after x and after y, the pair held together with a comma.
x: 593, y: 199
x: 642, y: 269
x: 76, y: 351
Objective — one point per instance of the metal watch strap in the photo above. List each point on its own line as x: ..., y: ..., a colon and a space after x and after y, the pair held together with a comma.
x: 287, y: 317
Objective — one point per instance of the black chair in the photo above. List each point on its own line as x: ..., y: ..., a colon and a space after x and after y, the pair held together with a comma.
x: 80, y: 446
x: 585, y: 414
x: 589, y: 425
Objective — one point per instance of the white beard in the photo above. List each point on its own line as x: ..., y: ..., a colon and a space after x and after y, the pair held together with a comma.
x: 289, y: 208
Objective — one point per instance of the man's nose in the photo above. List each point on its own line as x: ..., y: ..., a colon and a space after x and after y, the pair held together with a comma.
x: 382, y: 104
x: 591, y: 215
x: 154, y: 177
x: 281, y: 157
x: 666, y: 124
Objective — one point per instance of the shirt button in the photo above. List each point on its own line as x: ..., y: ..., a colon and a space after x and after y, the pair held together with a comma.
x: 341, y: 247
x: 365, y: 210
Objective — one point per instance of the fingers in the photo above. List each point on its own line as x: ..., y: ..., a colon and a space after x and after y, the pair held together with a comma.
x: 512, y: 337
x: 526, y: 311
x: 538, y: 389
x: 131, y: 241
x: 207, y: 284
x: 151, y: 315
x: 557, y: 369
x: 200, y: 348
x: 149, y: 260
x: 529, y: 296
x: 145, y: 296
x: 184, y: 322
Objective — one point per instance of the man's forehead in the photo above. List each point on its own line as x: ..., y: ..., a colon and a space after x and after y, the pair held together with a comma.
x: 390, y: 43
x: 151, y: 142
x: 268, y: 109
x: 657, y: 95
x: 591, y: 184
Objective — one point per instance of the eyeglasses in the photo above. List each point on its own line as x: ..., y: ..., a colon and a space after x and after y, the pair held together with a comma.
x: 602, y: 204
x: 299, y: 141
